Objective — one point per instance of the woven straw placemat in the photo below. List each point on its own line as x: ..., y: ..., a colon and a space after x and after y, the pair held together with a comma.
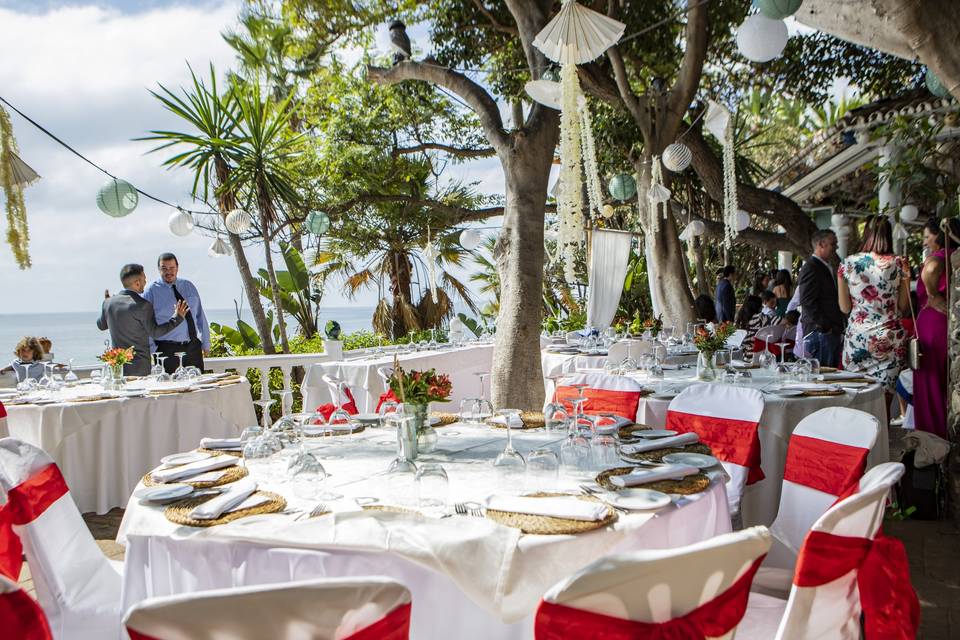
x: 820, y: 394
x: 828, y: 369
x: 530, y: 420
x: 691, y: 484
x: 168, y: 392
x: 657, y: 454
x: 179, y: 513
x: 220, y: 452
x: 357, y: 428
x: 232, y: 474
x: 627, y: 432
x: 845, y: 380
x: 389, y: 508
x: 545, y: 525
x: 445, y: 418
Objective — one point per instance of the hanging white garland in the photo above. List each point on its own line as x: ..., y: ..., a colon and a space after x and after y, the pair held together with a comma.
x: 589, y: 150
x: 569, y: 201
x: 431, y: 254
x: 730, y: 231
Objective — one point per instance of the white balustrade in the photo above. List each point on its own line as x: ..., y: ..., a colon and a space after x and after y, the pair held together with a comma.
x: 283, y: 361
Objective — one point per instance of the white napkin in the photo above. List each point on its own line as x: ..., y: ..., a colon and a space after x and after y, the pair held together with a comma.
x: 810, y: 386
x: 568, y: 508
x: 232, y: 497
x: 680, y: 440
x: 844, y: 375
x: 209, y: 476
x: 220, y: 443
x: 643, y: 476
x: 194, y: 468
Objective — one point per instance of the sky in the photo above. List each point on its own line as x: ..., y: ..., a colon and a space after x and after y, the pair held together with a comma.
x: 84, y: 72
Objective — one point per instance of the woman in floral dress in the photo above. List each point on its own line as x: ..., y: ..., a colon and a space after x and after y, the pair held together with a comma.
x: 874, y: 288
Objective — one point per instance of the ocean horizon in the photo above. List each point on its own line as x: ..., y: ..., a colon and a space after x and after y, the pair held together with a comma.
x: 75, y: 335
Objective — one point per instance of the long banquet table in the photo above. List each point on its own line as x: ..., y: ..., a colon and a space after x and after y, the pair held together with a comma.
x: 460, y: 363
x: 470, y: 577
x: 104, y: 447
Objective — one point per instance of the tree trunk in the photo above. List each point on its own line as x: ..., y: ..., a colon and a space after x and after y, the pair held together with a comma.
x: 274, y: 286
x: 400, y: 278
x: 703, y: 283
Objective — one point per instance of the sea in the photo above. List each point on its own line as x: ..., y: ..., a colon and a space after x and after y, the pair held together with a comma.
x: 75, y: 334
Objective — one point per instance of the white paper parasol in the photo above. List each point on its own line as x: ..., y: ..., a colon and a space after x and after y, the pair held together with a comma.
x: 578, y: 34
x: 23, y: 174
x: 716, y: 120
x: 549, y: 93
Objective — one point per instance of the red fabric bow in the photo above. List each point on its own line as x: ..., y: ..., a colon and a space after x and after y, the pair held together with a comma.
x: 25, y: 502
x: 22, y: 618
x: 733, y: 441
x: 713, y: 618
x: 890, y: 605
x: 3, y: 411
x: 389, y: 396
x: 350, y: 406
x: 620, y: 403
x: 830, y: 467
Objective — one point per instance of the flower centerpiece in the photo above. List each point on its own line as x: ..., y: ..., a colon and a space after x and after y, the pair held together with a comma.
x: 654, y: 325
x: 709, y: 342
x: 115, y: 359
x: 416, y: 390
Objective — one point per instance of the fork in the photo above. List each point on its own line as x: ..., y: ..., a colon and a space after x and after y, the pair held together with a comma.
x: 316, y: 511
x: 460, y: 509
x: 590, y: 491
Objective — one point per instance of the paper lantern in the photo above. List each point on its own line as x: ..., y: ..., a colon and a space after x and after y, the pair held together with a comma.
x: 623, y: 187
x: 317, y: 223
x: 909, y: 213
x: 934, y: 85
x: 761, y: 39
x: 117, y: 198
x: 577, y: 34
x: 743, y: 220
x: 658, y: 194
x: 470, y: 239
x: 778, y: 9
x: 716, y: 120
x: 219, y: 248
x: 676, y: 157
x: 694, y: 228
x: 238, y: 221
x: 607, y: 211
x: 180, y: 223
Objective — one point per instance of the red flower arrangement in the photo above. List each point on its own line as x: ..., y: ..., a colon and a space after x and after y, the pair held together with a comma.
x: 117, y: 357
x: 420, y: 387
x: 708, y: 341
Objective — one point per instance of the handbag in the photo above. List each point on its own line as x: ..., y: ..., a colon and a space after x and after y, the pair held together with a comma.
x: 913, y: 345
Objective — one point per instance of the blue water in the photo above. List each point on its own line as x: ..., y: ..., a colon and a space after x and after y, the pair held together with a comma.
x: 75, y: 335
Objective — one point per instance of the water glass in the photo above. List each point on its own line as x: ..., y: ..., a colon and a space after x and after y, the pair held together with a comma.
x: 309, y: 479
x: 543, y: 470
x: 555, y: 417
x: 256, y: 456
x: 432, y: 489
x: 399, y: 483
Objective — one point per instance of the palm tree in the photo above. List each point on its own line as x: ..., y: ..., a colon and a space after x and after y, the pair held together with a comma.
x: 210, y: 153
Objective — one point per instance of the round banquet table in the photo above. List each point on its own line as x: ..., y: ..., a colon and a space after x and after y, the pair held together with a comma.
x: 555, y: 364
x: 470, y: 577
x: 780, y: 417
x: 104, y: 447
x: 360, y: 374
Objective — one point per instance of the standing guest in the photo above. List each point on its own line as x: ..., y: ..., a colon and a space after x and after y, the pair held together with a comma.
x: 29, y: 360
x: 930, y: 380
x: 874, y: 291
x: 193, y: 336
x: 704, y: 308
x: 725, y: 297
x: 750, y: 317
x: 783, y: 290
x: 821, y: 316
x: 131, y: 319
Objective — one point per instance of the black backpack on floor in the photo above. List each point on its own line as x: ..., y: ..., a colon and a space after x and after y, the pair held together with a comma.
x: 922, y: 489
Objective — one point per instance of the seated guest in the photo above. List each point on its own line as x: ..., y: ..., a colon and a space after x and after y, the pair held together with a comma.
x: 749, y: 317
x: 768, y: 308
x: 47, y: 347
x: 704, y: 308
x: 28, y: 362
x: 790, y: 322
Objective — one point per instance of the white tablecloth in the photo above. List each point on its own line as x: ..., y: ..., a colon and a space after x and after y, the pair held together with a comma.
x: 557, y: 364
x: 470, y: 577
x: 367, y: 386
x: 103, y: 448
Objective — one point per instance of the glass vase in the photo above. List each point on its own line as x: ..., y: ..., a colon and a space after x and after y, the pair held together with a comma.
x: 426, y: 435
x: 706, y: 367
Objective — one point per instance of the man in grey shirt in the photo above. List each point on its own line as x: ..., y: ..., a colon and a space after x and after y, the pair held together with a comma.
x: 131, y: 320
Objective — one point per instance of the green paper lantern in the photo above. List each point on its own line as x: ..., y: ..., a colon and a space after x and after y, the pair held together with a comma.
x: 117, y: 198
x: 623, y: 186
x: 778, y: 9
x: 318, y: 223
x: 934, y: 85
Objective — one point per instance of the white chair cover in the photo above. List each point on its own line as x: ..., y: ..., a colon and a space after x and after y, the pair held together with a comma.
x: 20, y: 615
x: 324, y: 609
x: 727, y: 419
x: 4, y: 430
x: 618, y: 352
x: 736, y: 339
x: 656, y: 586
x: 606, y: 393
x: 78, y: 588
x: 333, y: 386
x: 773, y: 331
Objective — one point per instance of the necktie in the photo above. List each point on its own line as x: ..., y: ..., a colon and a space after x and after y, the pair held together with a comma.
x: 191, y: 326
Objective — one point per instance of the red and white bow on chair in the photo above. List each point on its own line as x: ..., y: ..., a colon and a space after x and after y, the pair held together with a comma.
x: 605, y: 394
x: 25, y: 503
x: 710, y: 619
x: 350, y: 406
x: 831, y: 467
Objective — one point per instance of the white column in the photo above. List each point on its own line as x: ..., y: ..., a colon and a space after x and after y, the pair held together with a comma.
x: 784, y: 258
x: 888, y: 194
x: 838, y: 224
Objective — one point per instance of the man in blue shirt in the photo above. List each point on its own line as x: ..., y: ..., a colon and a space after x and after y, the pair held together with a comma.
x: 191, y: 337
x: 725, y: 298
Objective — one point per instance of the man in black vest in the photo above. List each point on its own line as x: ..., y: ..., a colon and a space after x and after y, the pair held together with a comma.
x: 821, y: 318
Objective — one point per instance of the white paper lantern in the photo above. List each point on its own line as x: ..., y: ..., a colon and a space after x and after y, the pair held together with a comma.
x: 180, y: 223
x: 470, y: 239
x: 743, y: 220
x: 676, y: 157
x: 607, y: 211
x: 219, y: 248
x: 697, y: 228
x: 761, y: 39
x: 658, y: 194
x: 238, y: 221
x: 909, y: 213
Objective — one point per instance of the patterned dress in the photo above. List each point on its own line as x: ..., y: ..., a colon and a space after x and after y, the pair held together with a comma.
x: 875, y: 341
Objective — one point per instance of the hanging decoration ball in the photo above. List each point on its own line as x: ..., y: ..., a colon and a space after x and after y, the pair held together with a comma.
x: 778, y: 9
x: 317, y: 223
x: 743, y: 220
x: 117, y: 198
x: 623, y: 186
x: 658, y: 194
x: 607, y: 211
x: 470, y: 239
x: 934, y: 85
x: 909, y: 213
x: 761, y: 39
x: 676, y: 157
x: 238, y: 221
x: 180, y: 223
x: 219, y: 248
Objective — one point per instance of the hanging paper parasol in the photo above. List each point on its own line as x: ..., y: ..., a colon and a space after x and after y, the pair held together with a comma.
x: 578, y: 35
x: 23, y: 174
x: 219, y: 248
x: 549, y: 93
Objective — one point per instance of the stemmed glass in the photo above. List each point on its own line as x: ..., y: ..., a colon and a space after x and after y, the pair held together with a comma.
x: 180, y: 373
x: 401, y: 476
x: 603, y: 445
x: 629, y: 363
x: 286, y: 402
x: 543, y: 468
x: 509, y: 465
x: 433, y: 344
x: 432, y: 489
x: 476, y: 410
x: 766, y: 359
x: 164, y: 376
x: 157, y: 369
x: 555, y: 416
x: 306, y: 474
x: 265, y: 411
x: 46, y: 380
x: 70, y: 376
x: 575, y: 451
x: 340, y: 417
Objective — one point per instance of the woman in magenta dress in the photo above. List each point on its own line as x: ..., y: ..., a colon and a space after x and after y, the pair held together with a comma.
x: 930, y: 380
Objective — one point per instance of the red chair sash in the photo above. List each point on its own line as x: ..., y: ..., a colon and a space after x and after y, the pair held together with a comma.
x: 713, y: 618
x: 733, y: 441
x: 3, y: 411
x: 890, y: 605
x: 350, y: 406
x: 620, y: 403
x: 389, y: 396
x: 22, y: 618
x: 25, y: 502
x: 830, y: 467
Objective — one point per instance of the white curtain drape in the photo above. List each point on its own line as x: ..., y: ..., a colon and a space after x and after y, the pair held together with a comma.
x: 609, y: 255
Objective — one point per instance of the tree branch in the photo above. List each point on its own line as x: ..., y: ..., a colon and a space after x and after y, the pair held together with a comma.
x: 530, y: 18
x: 691, y: 69
x: 630, y: 100
x: 763, y: 239
x: 456, y: 214
x: 472, y: 93
x: 496, y: 24
x: 460, y: 152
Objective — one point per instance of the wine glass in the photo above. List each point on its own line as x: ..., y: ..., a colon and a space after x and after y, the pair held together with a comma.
x: 543, y: 470
x: 603, y: 444
x: 309, y: 478
x: 180, y: 373
x: 400, y: 478
x: 433, y: 339
x: 555, y: 416
x: 157, y: 369
x: 575, y: 452
x: 164, y: 376
x: 387, y: 407
x: 265, y: 411
x: 70, y: 376
x: 766, y: 359
x: 432, y: 489
x: 509, y: 465
x: 286, y: 402
x: 256, y: 456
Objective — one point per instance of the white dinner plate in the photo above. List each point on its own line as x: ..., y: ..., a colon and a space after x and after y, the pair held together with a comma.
x: 640, y: 499
x: 434, y: 420
x: 697, y: 460
x: 788, y: 393
x: 653, y: 433
x: 163, y: 492
x: 176, y: 459
x: 367, y: 417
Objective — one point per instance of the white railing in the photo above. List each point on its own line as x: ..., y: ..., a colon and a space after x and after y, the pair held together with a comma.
x: 283, y: 361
